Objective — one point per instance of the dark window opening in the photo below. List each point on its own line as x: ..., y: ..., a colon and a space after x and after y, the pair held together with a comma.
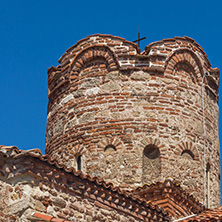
x: 151, y: 151
x: 110, y: 148
x: 207, y: 183
x: 79, y: 163
x: 151, y: 163
x: 187, y: 154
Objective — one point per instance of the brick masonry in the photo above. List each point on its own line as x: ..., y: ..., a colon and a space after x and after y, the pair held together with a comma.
x: 108, y: 103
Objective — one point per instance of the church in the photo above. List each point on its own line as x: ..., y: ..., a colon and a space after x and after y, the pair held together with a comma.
x: 131, y: 136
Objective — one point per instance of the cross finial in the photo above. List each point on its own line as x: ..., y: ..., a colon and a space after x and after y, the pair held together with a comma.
x: 139, y: 39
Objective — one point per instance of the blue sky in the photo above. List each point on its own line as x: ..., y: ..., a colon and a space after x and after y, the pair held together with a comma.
x: 34, y: 34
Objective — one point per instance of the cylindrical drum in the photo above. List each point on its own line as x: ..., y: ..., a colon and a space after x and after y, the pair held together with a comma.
x: 135, y: 118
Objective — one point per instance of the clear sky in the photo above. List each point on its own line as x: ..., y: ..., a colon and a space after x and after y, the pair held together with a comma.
x: 34, y: 34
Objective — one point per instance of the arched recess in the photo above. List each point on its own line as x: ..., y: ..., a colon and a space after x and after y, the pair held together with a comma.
x: 107, y: 142
x: 155, y: 141
x: 151, y: 163
x: 91, y: 53
x: 110, y: 148
x: 187, y: 154
x: 151, y: 152
x: 187, y: 148
x: 187, y: 60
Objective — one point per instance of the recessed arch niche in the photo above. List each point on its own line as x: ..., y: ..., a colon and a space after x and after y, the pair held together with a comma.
x: 187, y: 154
x: 151, y: 163
x: 109, y: 148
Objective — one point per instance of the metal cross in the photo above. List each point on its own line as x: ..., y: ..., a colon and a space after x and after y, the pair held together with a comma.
x: 139, y: 39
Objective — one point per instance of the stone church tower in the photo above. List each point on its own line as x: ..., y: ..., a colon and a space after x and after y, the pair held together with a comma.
x: 136, y: 118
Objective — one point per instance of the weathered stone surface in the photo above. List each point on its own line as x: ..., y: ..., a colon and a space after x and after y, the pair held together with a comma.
x: 19, y: 206
x: 91, y: 83
x: 92, y: 91
x: 113, y: 75
x: 86, y: 118
x: 198, y: 126
x: 78, y: 93
x: 59, y: 202
x: 39, y: 206
x: 66, y: 99
x: 140, y: 75
x: 71, y: 123
x: 49, y: 135
x: 58, y: 128
x: 110, y: 87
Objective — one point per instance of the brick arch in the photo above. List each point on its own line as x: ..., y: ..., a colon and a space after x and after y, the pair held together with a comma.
x: 111, y: 141
x: 91, y: 53
x: 75, y: 151
x: 72, y: 150
x: 154, y: 141
x: 187, y: 146
x: 188, y: 58
x: 78, y: 150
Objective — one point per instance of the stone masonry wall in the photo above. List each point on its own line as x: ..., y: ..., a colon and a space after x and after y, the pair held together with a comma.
x: 106, y: 93
x: 3, y: 200
x: 34, y: 185
x: 57, y: 202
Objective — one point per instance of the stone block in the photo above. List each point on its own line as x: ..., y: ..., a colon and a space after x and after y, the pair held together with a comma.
x: 19, y: 206
x: 59, y: 202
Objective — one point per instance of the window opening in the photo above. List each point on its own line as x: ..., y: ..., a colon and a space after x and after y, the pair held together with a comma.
x: 187, y: 154
x: 151, y: 163
x: 208, y: 183
x: 110, y: 148
x: 151, y: 151
x: 79, y: 162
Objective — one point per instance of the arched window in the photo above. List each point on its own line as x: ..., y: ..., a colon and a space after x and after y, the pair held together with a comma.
x: 151, y: 163
x: 79, y: 162
x: 110, y: 148
x: 187, y: 154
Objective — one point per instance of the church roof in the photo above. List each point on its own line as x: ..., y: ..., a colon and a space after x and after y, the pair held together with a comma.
x: 162, y: 197
x: 170, y: 196
x: 106, y: 194
x: 207, y: 215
